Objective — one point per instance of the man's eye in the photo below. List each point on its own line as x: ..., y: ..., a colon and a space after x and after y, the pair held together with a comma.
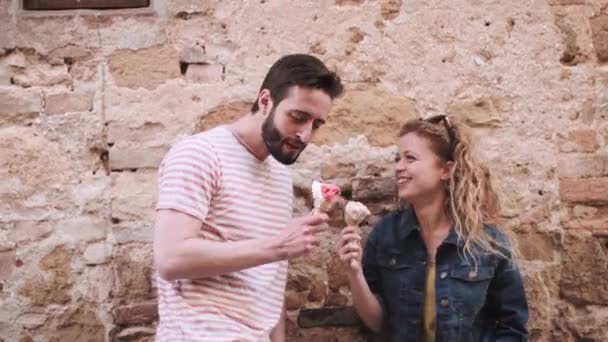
x: 299, y: 117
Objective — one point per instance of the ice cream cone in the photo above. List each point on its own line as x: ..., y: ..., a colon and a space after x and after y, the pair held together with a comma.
x: 355, y: 213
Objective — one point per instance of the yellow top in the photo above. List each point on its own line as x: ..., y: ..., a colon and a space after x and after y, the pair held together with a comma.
x: 428, y: 327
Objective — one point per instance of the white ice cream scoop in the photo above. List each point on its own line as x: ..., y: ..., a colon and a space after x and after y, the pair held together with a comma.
x: 355, y: 213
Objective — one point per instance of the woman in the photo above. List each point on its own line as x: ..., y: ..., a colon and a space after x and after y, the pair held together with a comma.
x: 441, y: 269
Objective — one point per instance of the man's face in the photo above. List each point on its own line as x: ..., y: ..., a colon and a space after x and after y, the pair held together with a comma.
x: 291, y: 125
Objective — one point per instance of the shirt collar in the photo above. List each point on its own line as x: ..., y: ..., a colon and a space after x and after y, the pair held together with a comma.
x: 408, y: 224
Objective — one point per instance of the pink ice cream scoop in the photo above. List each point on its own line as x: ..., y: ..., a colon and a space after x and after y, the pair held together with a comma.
x: 325, y: 196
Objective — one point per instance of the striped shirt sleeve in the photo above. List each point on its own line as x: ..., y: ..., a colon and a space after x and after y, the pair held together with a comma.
x: 188, y: 178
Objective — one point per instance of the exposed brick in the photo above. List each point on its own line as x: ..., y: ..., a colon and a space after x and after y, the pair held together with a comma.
x: 583, y: 166
x: 18, y: 104
x: 599, y: 28
x: 146, y: 68
x: 336, y: 273
x: 566, y: 2
x: 537, y: 246
x: 133, y: 195
x: 587, y: 190
x: 5, y: 75
x: 223, y: 113
x: 31, y: 320
x: 7, y: 264
x: 337, y: 170
x: 205, y: 73
x: 349, y: 2
x: 136, y: 334
x: 585, y: 270
x: 390, y: 9
x: 597, y: 225
x: 69, y: 51
x: 318, y: 291
x: 83, y: 228
x: 68, y: 102
x: 374, y: 188
x: 351, y: 116
x: 193, y: 55
x: 328, y: 317
x: 133, y: 273
x: 32, y: 230
x: 580, y: 140
x: 97, y: 253
x: 126, y: 159
x: 139, y: 313
x: 295, y: 300
x: 298, y: 282
x: 583, y: 211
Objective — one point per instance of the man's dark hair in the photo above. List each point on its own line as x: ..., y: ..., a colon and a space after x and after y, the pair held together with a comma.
x: 299, y: 70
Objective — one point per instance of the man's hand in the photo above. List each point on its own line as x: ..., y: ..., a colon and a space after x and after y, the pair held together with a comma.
x: 300, y: 236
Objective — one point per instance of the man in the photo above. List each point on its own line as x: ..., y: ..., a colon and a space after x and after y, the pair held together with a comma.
x: 223, y: 230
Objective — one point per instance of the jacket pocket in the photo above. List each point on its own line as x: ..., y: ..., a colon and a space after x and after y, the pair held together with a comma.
x: 395, y: 270
x: 469, y: 287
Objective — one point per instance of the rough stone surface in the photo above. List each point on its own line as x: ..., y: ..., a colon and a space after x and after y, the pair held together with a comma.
x: 205, y: 73
x: 588, y: 190
x: 585, y: 264
x: 90, y: 103
x: 599, y: 27
x: 19, y: 105
x: 68, y: 102
x: 226, y: 112
x: 133, y: 314
x: 146, y: 68
x: 52, y: 287
x: 372, y: 111
x: 130, y: 159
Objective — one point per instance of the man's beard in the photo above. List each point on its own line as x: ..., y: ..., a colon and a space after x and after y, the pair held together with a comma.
x: 274, y: 141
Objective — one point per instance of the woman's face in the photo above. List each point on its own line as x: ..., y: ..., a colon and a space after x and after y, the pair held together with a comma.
x: 420, y: 172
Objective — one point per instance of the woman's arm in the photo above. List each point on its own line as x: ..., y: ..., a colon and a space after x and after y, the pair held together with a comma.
x: 507, y: 303
x: 366, y: 303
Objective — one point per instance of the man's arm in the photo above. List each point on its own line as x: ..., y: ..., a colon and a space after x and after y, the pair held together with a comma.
x: 278, y: 332
x: 180, y: 252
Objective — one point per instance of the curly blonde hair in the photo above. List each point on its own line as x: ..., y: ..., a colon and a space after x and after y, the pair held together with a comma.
x: 472, y: 202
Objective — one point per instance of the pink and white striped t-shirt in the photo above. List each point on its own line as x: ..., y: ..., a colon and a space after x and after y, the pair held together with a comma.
x: 212, y: 177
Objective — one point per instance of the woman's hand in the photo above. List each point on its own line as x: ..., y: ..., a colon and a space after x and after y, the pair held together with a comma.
x: 349, y: 249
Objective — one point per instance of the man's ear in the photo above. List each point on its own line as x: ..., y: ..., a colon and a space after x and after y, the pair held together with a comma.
x: 265, y: 101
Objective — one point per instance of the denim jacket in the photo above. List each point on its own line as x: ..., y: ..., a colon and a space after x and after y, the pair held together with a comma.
x: 483, y: 303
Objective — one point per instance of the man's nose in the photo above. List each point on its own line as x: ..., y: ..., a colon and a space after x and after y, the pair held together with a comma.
x: 305, y: 134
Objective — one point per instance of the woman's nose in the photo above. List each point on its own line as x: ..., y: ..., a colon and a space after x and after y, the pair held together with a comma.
x: 400, y: 165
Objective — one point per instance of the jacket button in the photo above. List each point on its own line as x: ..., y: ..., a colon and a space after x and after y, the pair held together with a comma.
x: 444, y: 302
x: 472, y: 274
x: 443, y: 275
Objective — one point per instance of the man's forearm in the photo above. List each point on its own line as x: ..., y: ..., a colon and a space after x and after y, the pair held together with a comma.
x: 278, y: 332
x: 197, y: 258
